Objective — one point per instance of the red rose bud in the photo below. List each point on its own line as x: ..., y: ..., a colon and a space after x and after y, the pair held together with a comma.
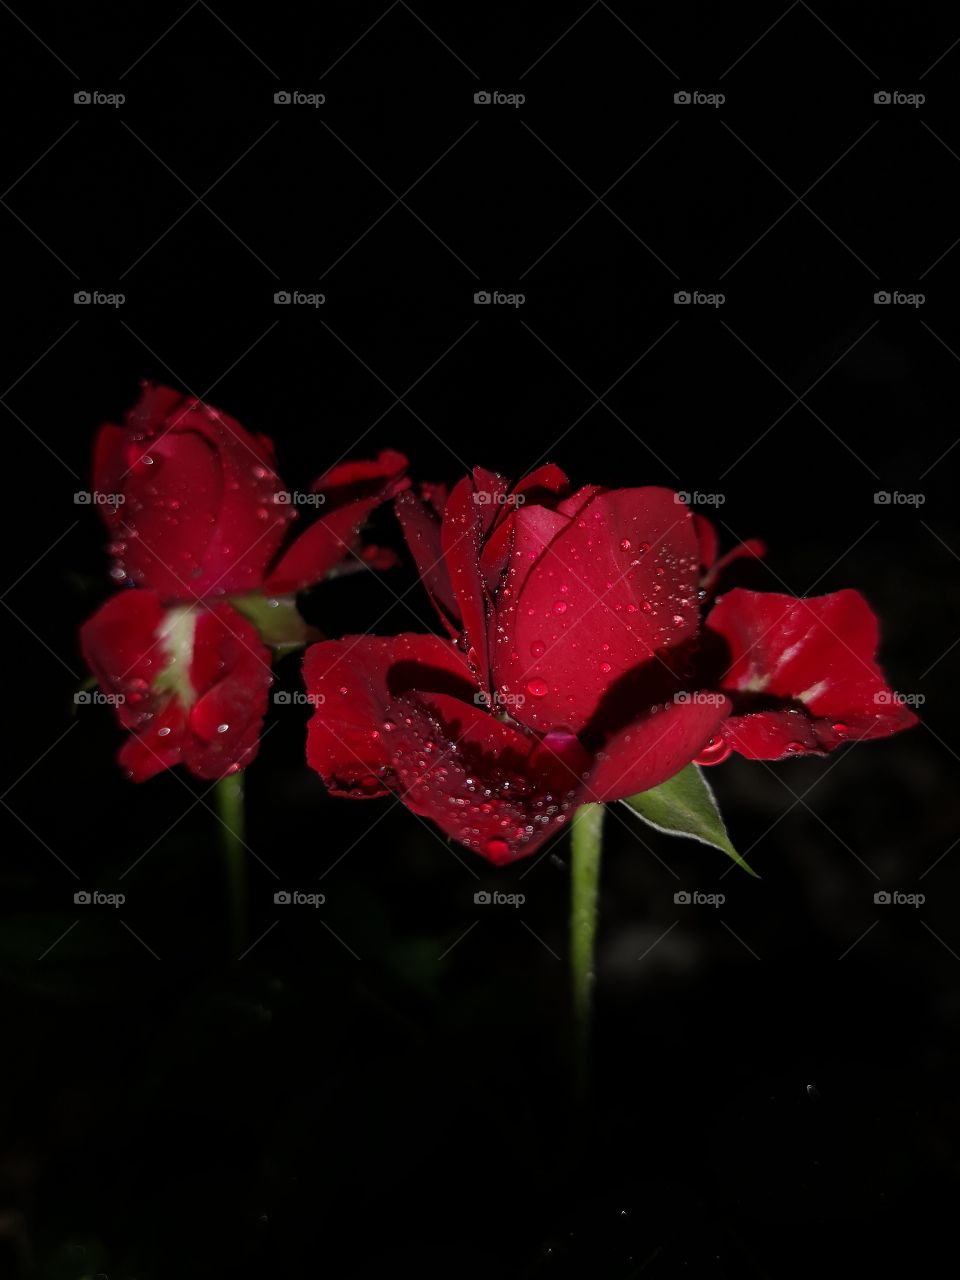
x: 190, y: 683
x: 198, y: 509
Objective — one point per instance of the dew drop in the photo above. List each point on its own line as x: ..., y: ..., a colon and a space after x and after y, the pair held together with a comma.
x: 537, y: 688
x: 715, y: 752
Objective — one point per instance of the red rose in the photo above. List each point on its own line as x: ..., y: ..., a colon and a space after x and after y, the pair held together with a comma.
x: 197, y: 513
x: 578, y: 670
x: 195, y: 507
x: 189, y: 683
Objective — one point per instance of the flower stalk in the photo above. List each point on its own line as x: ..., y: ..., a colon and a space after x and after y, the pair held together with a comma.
x: 230, y: 809
x: 587, y: 844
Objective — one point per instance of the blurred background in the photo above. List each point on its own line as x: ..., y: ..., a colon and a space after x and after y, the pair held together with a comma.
x: 383, y: 1081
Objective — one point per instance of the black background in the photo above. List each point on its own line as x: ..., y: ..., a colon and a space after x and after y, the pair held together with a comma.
x: 371, y: 1085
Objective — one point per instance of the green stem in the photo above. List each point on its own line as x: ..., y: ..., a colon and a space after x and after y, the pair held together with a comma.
x: 587, y: 842
x: 232, y: 832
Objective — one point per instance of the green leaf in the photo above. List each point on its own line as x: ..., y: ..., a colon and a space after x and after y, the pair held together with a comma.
x: 276, y: 618
x: 684, y: 806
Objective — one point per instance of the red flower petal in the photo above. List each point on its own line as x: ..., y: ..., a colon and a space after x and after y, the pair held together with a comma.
x: 708, y: 540
x: 421, y: 527
x: 109, y: 466
x: 543, y: 486
x: 460, y: 537
x: 198, y: 516
x: 752, y: 549
x: 654, y: 748
x: 480, y: 780
x: 231, y: 674
x: 121, y: 646
x: 608, y: 593
x: 802, y: 673
x: 354, y: 682
x: 351, y: 491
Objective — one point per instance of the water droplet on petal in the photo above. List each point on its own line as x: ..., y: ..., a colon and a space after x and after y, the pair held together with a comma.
x: 715, y: 752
